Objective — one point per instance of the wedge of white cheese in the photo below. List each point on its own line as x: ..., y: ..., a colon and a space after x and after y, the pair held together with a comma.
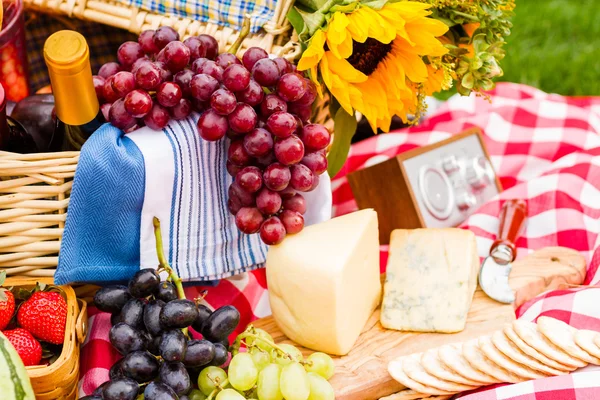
x: 324, y: 282
x: 430, y: 280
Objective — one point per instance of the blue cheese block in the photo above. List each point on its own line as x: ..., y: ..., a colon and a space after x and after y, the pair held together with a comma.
x: 430, y: 280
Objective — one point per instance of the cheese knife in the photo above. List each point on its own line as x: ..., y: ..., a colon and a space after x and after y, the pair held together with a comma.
x: 495, y: 269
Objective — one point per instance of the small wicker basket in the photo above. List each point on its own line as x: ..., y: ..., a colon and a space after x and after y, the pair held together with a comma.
x: 60, y: 379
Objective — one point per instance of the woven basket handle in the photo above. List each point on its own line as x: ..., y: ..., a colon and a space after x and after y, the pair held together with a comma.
x: 81, y: 325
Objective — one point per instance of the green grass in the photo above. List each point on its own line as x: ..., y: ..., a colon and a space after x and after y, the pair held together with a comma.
x: 555, y: 46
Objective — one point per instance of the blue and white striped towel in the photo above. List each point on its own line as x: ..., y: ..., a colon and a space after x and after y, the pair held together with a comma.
x: 123, y: 181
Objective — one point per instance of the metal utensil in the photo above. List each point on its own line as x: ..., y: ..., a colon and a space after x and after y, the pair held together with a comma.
x: 495, y: 269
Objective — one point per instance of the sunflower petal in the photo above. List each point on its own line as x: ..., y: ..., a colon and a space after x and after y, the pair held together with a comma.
x: 336, y: 33
x: 343, y: 68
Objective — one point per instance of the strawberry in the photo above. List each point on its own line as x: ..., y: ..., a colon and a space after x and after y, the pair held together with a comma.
x: 44, y: 314
x: 29, y: 349
x: 7, y: 303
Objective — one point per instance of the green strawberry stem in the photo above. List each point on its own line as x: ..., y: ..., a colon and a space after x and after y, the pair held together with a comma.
x: 164, y: 264
x: 243, y: 33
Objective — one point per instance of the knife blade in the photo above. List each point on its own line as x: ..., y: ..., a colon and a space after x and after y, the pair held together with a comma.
x: 496, y: 267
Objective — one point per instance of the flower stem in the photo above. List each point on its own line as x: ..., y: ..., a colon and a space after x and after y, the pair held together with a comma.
x: 245, y: 31
x: 164, y: 264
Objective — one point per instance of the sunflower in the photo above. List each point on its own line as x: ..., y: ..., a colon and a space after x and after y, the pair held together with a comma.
x: 375, y: 61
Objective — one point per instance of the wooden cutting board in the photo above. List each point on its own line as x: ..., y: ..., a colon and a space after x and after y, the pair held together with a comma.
x: 362, y: 374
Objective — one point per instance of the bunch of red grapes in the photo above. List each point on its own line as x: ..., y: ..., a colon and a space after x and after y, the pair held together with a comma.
x: 262, y: 105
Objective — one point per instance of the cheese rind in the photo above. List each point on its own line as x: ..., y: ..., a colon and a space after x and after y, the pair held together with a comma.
x: 324, y: 282
x: 431, y: 277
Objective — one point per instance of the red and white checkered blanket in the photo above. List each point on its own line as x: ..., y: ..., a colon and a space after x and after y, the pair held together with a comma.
x: 545, y: 149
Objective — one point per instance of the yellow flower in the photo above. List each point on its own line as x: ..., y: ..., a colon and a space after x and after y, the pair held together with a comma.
x: 372, y: 60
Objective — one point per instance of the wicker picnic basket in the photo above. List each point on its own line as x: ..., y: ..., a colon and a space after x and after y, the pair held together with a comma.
x: 35, y: 188
x: 60, y: 379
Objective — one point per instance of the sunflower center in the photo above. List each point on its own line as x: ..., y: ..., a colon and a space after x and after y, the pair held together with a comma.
x: 366, y: 56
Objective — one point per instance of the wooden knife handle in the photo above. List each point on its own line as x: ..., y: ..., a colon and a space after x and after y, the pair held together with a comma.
x: 512, y: 218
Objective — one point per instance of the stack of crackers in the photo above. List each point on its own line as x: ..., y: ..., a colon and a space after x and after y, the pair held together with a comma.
x: 520, y: 352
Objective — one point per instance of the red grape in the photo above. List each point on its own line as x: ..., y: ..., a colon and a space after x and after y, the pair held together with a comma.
x: 272, y: 231
x: 109, y: 93
x: 168, y: 94
x: 138, y: 103
x: 146, y: 40
x: 309, y: 96
x: 177, y: 56
x: 223, y: 101
x: 315, y: 136
x: 109, y: 69
x: 266, y: 160
x: 284, y: 65
x: 291, y: 86
x: 233, y: 169
x: 119, y: 117
x: 268, y: 201
x: 243, y: 118
x: 165, y: 73
x: 265, y: 72
x: 105, y: 108
x: 161, y: 56
x: 123, y: 82
x: 250, y: 179
x: 164, y: 35
x: 302, y: 112
x: 198, y: 63
x: 157, y: 118
x: 292, y: 221
x: 196, y: 47
x: 233, y: 135
x: 315, y: 183
x: 295, y: 203
x: 234, y: 205
x: 248, y: 220
x: 252, y: 95
x: 277, y: 176
x: 99, y: 86
x: 199, y: 106
x: 302, y: 178
x: 236, y: 77
x: 183, y: 79
x: 147, y: 76
x: 210, y: 44
x: 287, y: 192
x: 227, y: 59
x: 138, y: 63
x: 212, y: 126
x: 317, y: 162
x: 299, y: 125
x: 129, y: 52
x: 289, y: 151
x: 281, y: 124
x: 252, y: 55
x: 258, y: 142
x: 182, y: 109
x: 211, y: 68
x: 203, y: 86
x: 246, y: 199
x: 272, y: 103
x: 237, y: 154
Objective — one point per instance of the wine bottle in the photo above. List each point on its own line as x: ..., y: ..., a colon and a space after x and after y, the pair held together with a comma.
x: 13, y: 136
x: 77, y: 109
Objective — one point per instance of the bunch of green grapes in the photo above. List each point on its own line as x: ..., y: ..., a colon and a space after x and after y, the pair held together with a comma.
x: 267, y: 371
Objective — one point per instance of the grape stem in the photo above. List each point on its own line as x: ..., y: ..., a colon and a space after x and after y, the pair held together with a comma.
x: 248, y: 333
x: 164, y: 265
x: 245, y: 31
x: 216, y: 390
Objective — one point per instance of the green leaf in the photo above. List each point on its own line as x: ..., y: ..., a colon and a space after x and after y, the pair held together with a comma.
x: 2, y: 276
x: 468, y: 80
x: 312, y: 21
x: 347, y: 8
x: 376, y: 4
x: 296, y: 20
x: 312, y: 4
x: 344, y: 129
x: 3, y: 297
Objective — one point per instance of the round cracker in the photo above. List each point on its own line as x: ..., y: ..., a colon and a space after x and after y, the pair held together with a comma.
x: 510, y: 350
x: 585, y: 339
x: 563, y: 336
x: 510, y: 333
x: 529, y: 333
x: 451, y: 356
x: 431, y: 362
x: 414, y: 370
x: 496, y: 356
x: 406, y: 394
x: 475, y: 356
x: 396, y: 370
